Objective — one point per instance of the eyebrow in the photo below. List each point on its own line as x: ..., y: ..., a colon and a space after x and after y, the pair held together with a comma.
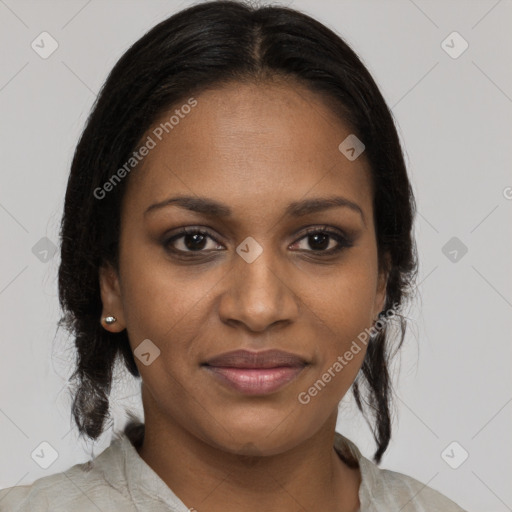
x: 213, y: 208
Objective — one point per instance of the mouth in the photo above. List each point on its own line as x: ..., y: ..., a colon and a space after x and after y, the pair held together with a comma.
x: 255, y: 373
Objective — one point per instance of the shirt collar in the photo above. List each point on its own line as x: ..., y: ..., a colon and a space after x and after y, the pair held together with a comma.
x: 145, y: 487
x: 369, y: 470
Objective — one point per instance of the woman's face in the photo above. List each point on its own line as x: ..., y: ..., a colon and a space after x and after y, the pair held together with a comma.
x: 256, y: 281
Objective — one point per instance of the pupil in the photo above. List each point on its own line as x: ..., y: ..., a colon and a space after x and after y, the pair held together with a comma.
x: 194, y: 245
x: 323, y: 244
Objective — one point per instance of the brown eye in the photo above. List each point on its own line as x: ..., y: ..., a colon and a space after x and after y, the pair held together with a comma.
x: 325, y: 241
x: 322, y: 241
x: 190, y: 240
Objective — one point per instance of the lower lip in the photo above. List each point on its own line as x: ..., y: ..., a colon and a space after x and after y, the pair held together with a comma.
x: 256, y: 381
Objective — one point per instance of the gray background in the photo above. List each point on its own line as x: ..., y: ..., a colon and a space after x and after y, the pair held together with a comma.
x: 452, y: 114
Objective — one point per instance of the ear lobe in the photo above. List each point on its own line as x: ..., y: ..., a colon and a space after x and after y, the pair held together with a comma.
x: 111, y: 298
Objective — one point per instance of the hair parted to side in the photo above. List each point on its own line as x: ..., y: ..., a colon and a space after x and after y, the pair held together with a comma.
x: 203, y: 46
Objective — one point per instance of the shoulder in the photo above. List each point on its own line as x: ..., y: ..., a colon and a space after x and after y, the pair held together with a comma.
x: 384, y: 490
x: 404, y: 493
x: 83, y: 487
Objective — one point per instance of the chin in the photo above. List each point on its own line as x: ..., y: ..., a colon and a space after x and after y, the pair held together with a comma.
x: 265, y: 436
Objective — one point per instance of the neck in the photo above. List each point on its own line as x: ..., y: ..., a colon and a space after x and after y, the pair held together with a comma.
x: 310, y: 476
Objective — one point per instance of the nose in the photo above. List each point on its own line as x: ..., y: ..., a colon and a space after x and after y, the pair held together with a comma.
x: 259, y: 294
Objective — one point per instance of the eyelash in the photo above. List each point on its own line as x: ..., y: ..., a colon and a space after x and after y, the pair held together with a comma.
x: 343, y: 241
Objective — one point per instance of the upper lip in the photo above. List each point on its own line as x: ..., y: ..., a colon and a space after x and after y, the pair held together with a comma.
x: 248, y: 359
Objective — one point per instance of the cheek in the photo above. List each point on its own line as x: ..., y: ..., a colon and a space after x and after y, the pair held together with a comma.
x: 340, y: 351
x: 162, y: 301
x: 346, y: 299
x: 343, y: 314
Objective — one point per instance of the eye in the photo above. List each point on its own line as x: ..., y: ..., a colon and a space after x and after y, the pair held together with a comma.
x: 194, y: 240
x: 321, y: 239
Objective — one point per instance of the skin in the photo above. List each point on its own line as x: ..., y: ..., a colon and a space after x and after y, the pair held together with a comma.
x: 255, y: 148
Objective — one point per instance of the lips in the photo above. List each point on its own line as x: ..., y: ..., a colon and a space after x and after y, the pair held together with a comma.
x: 255, y: 373
x: 247, y: 359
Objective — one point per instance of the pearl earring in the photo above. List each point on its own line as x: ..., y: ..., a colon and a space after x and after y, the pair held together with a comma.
x: 109, y: 320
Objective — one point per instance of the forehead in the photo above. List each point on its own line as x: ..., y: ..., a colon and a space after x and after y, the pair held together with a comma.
x: 249, y: 144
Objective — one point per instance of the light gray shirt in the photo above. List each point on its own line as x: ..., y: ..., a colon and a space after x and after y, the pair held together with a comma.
x: 119, y: 480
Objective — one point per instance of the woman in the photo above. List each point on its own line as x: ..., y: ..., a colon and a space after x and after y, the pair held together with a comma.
x: 238, y: 229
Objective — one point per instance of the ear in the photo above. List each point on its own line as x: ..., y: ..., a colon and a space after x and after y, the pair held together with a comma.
x: 111, y: 298
x: 382, y: 284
